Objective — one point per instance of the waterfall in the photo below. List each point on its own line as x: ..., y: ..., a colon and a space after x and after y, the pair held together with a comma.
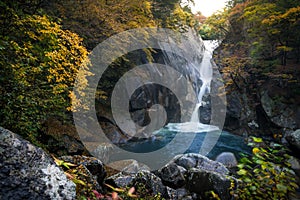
x: 195, y: 115
x: 198, y: 70
x: 201, y: 70
x: 206, y: 74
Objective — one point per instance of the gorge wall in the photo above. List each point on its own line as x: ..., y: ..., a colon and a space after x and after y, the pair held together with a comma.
x: 259, y: 101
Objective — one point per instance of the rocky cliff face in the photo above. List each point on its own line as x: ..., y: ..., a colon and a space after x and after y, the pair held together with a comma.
x: 260, y: 102
x: 152, y: 93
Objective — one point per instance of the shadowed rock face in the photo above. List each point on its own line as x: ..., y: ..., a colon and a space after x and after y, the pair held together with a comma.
x: 294, y: 140
x: 27, y: 172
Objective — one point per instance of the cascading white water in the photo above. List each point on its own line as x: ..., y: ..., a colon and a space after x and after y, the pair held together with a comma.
x: 195, y: 115
x: 206, y: 74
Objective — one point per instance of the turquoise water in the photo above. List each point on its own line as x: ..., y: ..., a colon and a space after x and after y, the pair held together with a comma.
x: 226, y: 143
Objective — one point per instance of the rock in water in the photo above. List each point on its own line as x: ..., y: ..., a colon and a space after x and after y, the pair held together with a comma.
x: 228, y: 159
x: 27, y: 172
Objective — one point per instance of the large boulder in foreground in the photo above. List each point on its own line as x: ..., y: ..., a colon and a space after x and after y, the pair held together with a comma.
x: 27, y: 172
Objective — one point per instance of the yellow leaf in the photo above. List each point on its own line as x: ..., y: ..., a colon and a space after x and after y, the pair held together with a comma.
x: 255, y: 150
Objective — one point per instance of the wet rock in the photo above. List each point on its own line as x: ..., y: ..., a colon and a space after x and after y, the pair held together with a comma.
x: 228, y: 159
x: 129, y: 166
x: 193, y: 160
x: 295, y: 165
x: 278, y: 112
x: 197, y: 175
x: 201, y: 181
x: 181, y: 193
x: 205, y: 109
x: 144, y: 180
x: 113, y: 133
x: 173, y: 175
x: 150, y: 182
x: 27, y: 172
x: 294, y: 139
x: 120, y: 180
x: 101, y: 151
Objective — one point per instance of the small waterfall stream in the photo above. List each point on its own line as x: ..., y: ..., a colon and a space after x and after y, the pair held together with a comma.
x: 206, y: 74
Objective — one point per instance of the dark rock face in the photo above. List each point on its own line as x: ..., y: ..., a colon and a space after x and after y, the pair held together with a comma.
x: 198, y: 175
x: 147, y: 96
x: 205, y: 110
x: 150, y: 182
x: 234, y: 112
x: 198, y: 161
x: 280, y: 113
x: 113, y: 133
x: 294, y: 140
x: 178, y: 107
x: 27, y: 172
x: 61, y: 139
x: 259, y: 103
x: 173, y: 175
x: 202, y: 181
x: 145, y: 179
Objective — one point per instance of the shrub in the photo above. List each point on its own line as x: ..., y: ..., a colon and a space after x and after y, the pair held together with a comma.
x: 266, y: 174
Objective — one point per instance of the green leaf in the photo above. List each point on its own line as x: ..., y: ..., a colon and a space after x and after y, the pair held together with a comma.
x: 68, y: 165
x: 258, y: 161
x: 82, y: 198
x: 247, y: 180
x: 240, y: 166
x: 242, y: 172
x: 258, y: 140
x: 294, y: 184
x: 253, y: 188
x: 245, y: 160
x: 281, y: 188
x: 77, y: 181
x: 263, y: 166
